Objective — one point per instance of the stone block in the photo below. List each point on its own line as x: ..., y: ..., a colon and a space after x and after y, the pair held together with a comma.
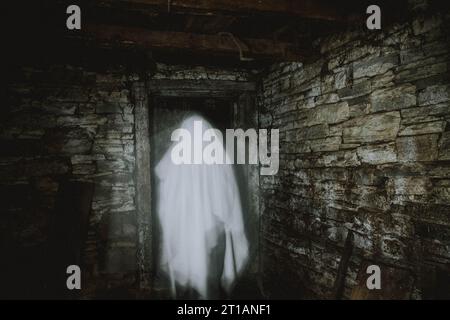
x: 406, y: 185
x: 342, y: 78
x: 332, y: 113
x: 417, y: 148
x: 359, y: 89
x: 313, y: 132
x: 423, y: 128
x: 339, y: 159
x: 389, y: 99
x: 418, y: 72
x: 372, y: 128
x: 377, y: 154
x: 374, y: 66
x: 434, y: 95
x: 327, y: 144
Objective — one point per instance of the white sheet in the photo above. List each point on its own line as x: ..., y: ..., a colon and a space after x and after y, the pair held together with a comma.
x: 196, y: 204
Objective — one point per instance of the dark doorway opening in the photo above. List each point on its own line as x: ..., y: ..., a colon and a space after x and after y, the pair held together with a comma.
x: 167, y: 113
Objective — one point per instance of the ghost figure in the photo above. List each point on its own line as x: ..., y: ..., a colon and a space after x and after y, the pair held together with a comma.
x: 199, y: 209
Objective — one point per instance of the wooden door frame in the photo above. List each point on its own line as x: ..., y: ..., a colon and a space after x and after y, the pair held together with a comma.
x: 143, y: 93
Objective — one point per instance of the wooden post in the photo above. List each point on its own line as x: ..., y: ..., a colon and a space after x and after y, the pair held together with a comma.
x: 246, y: 117
x: 339, y: 283
x: 143, y: 184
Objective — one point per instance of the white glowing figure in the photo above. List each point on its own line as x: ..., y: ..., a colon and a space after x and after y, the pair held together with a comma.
x: 199, y: 211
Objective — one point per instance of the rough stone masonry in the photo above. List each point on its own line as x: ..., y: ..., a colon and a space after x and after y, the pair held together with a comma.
x: 364, y: 147
x: 75, y: 125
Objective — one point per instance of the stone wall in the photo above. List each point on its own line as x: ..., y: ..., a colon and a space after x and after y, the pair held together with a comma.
x: 71, y: 122
x: 181, y: 72
x: 364, y: 142
x: 365, y: 147
x: 64, y: 123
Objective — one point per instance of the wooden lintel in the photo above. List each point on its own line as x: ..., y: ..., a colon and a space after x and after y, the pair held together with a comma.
x: 199, y: 88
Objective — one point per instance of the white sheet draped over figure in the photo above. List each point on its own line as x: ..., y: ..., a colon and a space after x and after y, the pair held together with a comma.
x: 199, y: 209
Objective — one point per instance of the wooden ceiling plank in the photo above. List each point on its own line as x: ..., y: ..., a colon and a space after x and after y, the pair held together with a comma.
x: 313, y: 9
x: 282, y: 51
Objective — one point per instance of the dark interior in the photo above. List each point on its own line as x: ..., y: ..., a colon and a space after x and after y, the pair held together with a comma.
x: 364, y: 137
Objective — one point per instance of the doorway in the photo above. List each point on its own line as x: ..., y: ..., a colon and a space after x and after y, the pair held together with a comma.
x: 166, y: 114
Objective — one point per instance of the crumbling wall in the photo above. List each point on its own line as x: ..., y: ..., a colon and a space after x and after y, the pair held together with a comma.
x: 63, y: 123
x: 364, y: 147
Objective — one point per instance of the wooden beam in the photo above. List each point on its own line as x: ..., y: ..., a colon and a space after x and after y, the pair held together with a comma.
x: 199, y: 88
x: 339, y: 284
x: 143, y: 186
x: 219, y: 44
x: 314, y: 9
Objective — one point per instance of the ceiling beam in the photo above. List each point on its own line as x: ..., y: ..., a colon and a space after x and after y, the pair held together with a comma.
x: 313, y: 9
x: 219, y: 44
